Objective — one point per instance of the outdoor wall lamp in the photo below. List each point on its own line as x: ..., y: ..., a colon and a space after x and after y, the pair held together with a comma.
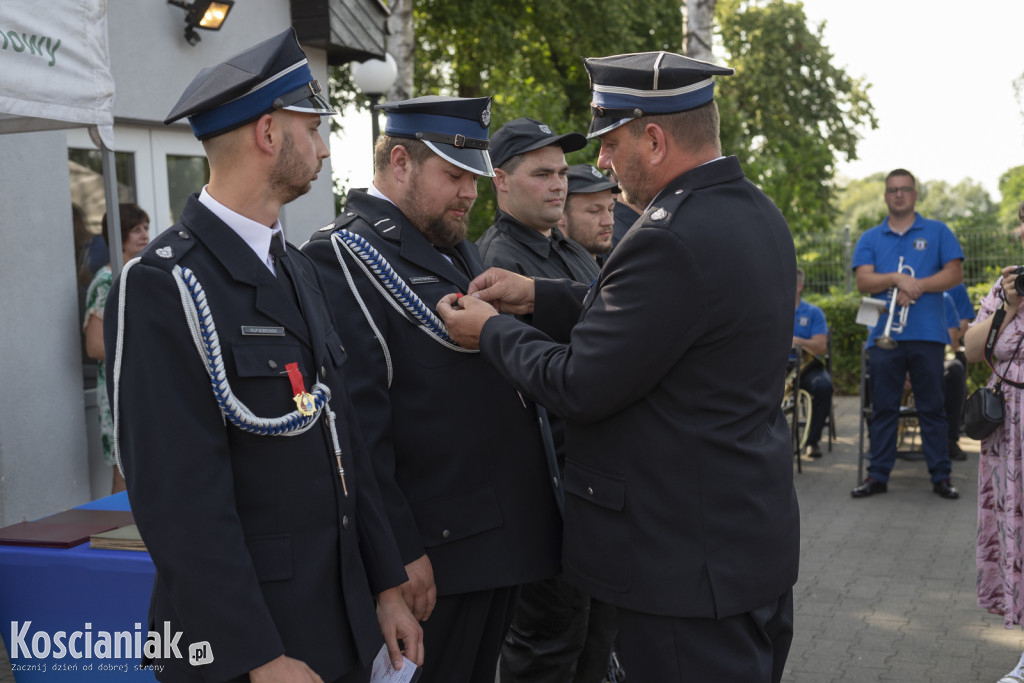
x: 204, y: 14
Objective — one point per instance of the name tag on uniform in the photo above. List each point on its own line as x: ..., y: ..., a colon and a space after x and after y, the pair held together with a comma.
x: 427, y: 279
x: 262, y: 331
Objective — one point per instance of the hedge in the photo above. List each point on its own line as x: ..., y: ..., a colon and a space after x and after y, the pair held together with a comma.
x: 848, y: 339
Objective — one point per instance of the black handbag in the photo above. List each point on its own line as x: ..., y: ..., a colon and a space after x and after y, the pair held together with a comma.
x: 984, y: 411
x: 986, y: 407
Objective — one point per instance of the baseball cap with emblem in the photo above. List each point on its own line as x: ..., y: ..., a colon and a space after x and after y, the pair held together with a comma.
x: 585, y: 179
x: 454, y: 128
x: 272, y: 75
x: 523, y: 135
x: 627, y: 87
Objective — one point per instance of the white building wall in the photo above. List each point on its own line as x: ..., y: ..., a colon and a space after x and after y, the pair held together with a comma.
x: 43, y: 464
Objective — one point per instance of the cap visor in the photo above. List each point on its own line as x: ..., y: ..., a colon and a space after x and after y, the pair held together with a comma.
x: 600, y: 125
x: 314, y: 104
x: 473, y: 160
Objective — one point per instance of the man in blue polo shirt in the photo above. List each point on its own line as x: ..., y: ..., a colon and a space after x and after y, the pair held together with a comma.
x: 921, y: 259
x: 810, y: 333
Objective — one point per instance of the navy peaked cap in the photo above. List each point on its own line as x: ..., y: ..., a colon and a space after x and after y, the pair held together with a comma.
x: 586, y: 179
x: 271, y: 75
x: 626, y: 87
x: 523, y: 135
x: 454, y: 128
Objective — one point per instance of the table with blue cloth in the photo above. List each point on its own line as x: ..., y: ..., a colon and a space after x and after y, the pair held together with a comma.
x: 83, y: 592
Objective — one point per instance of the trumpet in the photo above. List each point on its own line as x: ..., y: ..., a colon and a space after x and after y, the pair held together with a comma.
x: 885, y: 339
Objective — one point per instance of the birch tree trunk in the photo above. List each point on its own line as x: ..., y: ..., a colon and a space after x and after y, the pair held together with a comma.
x: 402, y: 46
x: 700, y: 16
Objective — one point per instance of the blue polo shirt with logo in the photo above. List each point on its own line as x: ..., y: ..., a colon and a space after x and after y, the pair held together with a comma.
x: 809, y: 321
x: 926, y: 247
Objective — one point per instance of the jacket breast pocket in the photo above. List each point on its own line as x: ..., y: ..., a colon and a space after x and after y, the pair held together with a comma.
x: 443, y: 520
x: 265, y: 360
x: 595, y: 509
x: 271, y: 557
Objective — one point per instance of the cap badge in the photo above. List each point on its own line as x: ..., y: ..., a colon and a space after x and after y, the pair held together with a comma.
x: 597, y: 174
x: 485, y: 115
x: 659, y: 214
x: 165, y: 252
x: 544, y: 129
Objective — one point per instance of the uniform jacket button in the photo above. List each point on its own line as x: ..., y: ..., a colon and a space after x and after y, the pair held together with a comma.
x: 344, y: 522
x: 272, y: 364
x: 590, y: 491
x: 445, y: 533
x: 554, y: 480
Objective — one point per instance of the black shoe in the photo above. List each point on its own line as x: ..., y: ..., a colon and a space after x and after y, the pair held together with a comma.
x: 955, y: 452
x: 815, y: 451
x: 945, y: 488
x: 870, y: 487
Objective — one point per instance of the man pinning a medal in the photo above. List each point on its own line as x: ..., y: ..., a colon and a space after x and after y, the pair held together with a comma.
x: 679, y: 501
x: 247, y: 477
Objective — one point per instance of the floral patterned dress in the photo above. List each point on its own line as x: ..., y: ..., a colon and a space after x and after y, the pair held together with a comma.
x: 95, y: 299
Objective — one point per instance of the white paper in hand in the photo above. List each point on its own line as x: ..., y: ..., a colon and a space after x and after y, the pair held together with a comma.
x: 384, y: 672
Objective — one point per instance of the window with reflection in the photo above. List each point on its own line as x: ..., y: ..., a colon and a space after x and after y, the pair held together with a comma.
x: 185, y: 176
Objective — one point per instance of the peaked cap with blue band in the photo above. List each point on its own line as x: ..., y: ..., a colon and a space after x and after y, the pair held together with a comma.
x: 627, y: 87
x: 454, y: 128
x: 271, y: 75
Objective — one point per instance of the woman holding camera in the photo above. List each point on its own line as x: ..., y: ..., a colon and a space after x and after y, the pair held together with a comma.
x: 1001, y: 466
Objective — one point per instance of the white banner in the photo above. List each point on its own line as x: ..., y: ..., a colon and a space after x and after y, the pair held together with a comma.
x: 55, y: 66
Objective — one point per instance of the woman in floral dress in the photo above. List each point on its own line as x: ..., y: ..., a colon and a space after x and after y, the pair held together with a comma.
x: 1000, y: 551
x: 134, y: 238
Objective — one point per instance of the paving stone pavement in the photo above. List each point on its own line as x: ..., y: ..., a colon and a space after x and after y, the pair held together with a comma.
x: 887, y: 584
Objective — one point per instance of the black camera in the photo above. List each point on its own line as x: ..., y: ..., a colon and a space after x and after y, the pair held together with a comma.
x: 1018, y: 284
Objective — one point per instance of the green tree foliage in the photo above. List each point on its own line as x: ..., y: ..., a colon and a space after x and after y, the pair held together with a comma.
x: 788, y: 112
x: 1011, y: 187
x: 529, y: 56
x: 861, y: 203
x: 962, y: 206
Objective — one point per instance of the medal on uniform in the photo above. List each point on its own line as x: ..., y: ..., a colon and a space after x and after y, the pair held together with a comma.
x: 303, y: 401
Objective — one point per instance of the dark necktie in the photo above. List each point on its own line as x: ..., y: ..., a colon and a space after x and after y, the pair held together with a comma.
x: 457, y: 260
x: 283, y: 268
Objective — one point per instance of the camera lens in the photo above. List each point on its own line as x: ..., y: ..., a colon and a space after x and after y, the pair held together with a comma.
x: 1018, y: 284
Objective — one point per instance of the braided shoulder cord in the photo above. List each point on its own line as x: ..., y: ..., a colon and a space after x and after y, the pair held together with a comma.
x: 392, y: 287
x: 204, y: 336
x: 335, y: 241
x: 204, y: 333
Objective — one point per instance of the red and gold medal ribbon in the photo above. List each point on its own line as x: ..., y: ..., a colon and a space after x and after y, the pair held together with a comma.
x: 303, y: 401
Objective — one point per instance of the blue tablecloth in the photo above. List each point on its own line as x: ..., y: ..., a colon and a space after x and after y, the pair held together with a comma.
x: 74, y: 590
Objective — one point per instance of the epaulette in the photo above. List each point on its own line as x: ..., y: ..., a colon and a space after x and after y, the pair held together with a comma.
x: 344, y: 219
x: 661, y: 212
x: 167, y: 249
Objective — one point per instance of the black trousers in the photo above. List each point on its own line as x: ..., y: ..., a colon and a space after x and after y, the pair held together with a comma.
x: 750, y: 647
x: 462, y: 638
x: 955, y: 393
x: 558, y: 635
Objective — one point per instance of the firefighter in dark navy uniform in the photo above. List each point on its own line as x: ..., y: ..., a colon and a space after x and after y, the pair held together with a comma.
x: 246, y: 473
x: 679, y: 501
x: 468, y: 484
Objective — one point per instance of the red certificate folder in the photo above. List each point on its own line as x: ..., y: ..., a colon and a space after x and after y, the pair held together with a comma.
x: 64, y: 529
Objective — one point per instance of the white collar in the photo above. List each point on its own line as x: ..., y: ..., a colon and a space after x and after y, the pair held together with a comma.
x: 256, y: 235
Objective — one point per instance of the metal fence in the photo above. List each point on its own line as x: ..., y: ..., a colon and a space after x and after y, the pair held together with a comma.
x: 826, y: 258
